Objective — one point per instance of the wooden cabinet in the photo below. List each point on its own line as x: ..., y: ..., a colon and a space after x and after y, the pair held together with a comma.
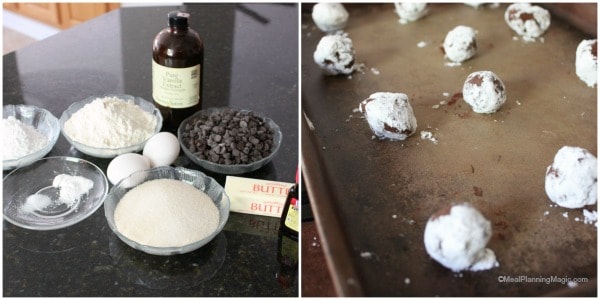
x: 61, y: 15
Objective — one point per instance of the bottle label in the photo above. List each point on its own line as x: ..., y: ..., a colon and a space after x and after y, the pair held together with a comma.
x: 291, y: 218
x: 176, y: 87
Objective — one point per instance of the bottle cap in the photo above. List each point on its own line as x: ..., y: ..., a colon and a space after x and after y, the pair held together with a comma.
x: 178, y: 19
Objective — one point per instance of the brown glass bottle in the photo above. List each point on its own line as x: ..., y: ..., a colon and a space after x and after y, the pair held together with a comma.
x: 177, y: 64
x: 290, y: 217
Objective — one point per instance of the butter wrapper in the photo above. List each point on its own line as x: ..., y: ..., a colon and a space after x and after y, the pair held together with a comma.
x: 256, y: 196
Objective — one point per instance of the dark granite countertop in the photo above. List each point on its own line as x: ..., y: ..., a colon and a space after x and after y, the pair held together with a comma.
x: 251, y: 62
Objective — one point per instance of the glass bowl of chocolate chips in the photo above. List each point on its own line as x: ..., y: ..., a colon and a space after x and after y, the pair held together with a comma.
x: 228, y: 140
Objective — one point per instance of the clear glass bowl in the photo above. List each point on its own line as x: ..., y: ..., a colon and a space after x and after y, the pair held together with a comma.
x: 110, y: 152
x: 43, y: 121
x: 229, y: 169
x: 37, y: 178
x: 195, y: 178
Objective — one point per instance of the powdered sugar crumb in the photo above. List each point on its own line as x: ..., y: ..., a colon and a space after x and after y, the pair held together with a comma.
x: 427, y: 135
x: 422, y: 44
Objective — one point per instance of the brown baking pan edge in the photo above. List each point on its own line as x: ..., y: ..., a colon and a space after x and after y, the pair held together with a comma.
x: 324, y: 202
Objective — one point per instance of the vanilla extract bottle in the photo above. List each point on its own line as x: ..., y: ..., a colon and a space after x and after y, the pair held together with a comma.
x: 177, y: 67
x: 290, y: 217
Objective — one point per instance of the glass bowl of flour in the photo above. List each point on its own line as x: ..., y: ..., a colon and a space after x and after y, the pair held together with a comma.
x: 28, y: 134
x: 166, y: 210
x: 109, y: 125
x: 53, y: 192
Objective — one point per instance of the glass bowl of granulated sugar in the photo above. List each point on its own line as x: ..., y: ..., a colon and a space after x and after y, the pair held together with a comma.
x: 110, y: 125
x: 166, y: 210
x: 28, y: 134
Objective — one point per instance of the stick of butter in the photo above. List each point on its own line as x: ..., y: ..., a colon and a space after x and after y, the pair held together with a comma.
x: 256, y: 196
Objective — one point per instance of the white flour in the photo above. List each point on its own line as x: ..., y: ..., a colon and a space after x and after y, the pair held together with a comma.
x: 20, y: 139
x: 166, y: 213
x: 110, y: 123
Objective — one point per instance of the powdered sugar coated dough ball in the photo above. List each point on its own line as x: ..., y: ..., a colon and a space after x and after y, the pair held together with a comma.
x: 459, y: 44
x: 389, y: 115
x: 335, y: 54
x: 571, y: 180
x: 330, y: 17
x: 586, y: 64
x: 456, y: 237
x: 484, y: 91
x: 528, y: 21
x: 410, y: 12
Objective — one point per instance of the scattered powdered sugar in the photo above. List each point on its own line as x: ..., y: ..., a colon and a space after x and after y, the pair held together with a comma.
x: 422, y: 44
x: 407, y: 281
x: 566, y: 214
x: 452, y: 64
x: 110, y: 122
x: 427, y: 135
x: 20, y: 139
x: 590, y: 217
x: 375, y: 71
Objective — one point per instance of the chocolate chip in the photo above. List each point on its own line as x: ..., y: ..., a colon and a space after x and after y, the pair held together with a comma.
x: 229, y: 137
x: 476, y: 80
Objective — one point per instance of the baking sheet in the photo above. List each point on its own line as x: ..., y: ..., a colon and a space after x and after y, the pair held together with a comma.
x: 372, y: 197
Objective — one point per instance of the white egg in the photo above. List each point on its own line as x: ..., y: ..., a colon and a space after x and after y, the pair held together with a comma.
x: 162, y: 149
x: 125, y: 165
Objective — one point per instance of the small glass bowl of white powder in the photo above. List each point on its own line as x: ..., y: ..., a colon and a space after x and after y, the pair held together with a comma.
x: 110, y: 125
x: 166, y: 210
x: 53, y: 192
x: 28, y: 134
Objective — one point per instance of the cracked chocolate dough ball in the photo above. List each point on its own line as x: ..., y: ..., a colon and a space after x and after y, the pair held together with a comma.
x: 586, y: 63
x: 335, y: 54
x: 484, y: 92
x: 389, y: 115
x: 459, y: 44
x: 330, y: 17
x: 410, y: 12
x: 528, y: 21
x: 571, y: 179
x: 456, y: 237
